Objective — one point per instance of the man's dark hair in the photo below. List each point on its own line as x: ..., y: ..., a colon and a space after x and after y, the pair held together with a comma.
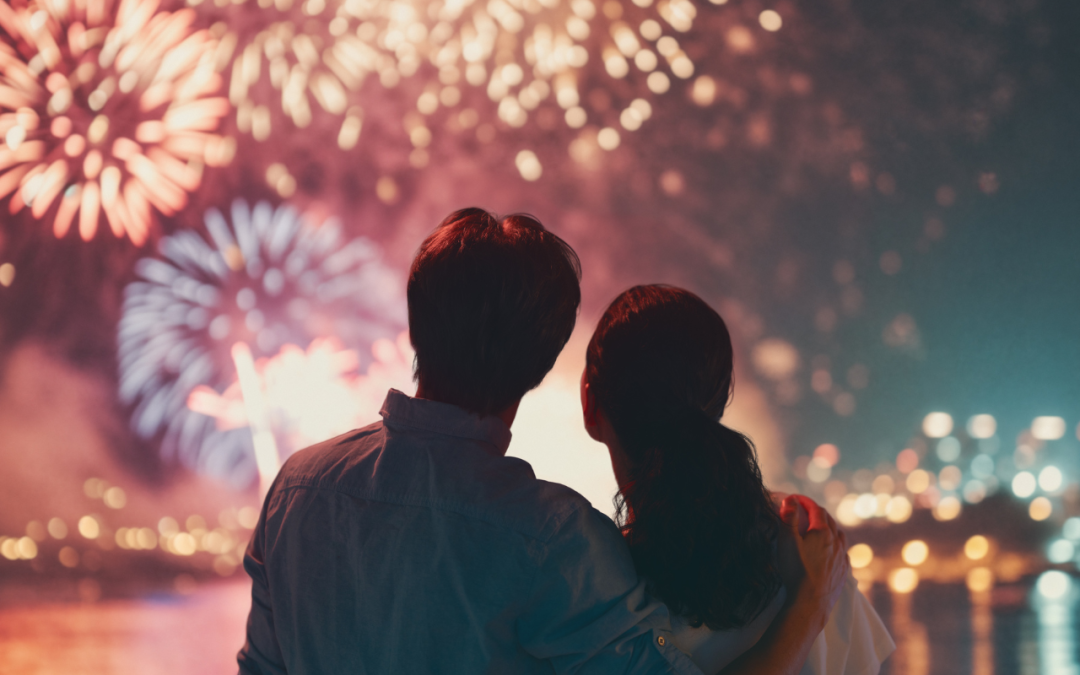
x: 492, y: 302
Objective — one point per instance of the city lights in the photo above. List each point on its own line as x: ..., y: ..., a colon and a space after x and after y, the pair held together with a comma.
x: 860, y: 555
x: 937, y: 425
x: 1050, y: 479
x: 948, y: 508
x: 915, y: 552
x: 948, y: 449
x: 977, y: 547
x: 1040, y: 508
x: 1048, y: 428
x: 982, y: 426
x: 1053, y: 584
x: 1060, y: 551
x: 980, y: 579
x: 903, y: 580
x: 899, y: 509
x: 1024, y: 484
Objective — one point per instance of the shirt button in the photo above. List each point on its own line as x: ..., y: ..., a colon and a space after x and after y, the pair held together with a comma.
x: 661, y: 641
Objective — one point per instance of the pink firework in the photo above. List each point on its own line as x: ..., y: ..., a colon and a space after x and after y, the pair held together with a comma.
x: 105, y: 107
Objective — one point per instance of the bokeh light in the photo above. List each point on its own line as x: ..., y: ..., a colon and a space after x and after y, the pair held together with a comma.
x: 1024, y: 484
x: 818, y: 470
x: 915, y: 552
x: 949, y: 477
x: 918, y: 481
x: 1053, y: 584
x: 937, y: 425
x: 903, y: 580
x: 899, y: 509
x: 1071, y: 529
x: 948, y: 449
x: 977, y: 547
x: 770, y: 20
x: 860, y: 555
x: 1040, y: 508
x: 827, y: 453
x: 1048, y: 428
x: 948, y: 508
x: 982, y: 466
x: 980, y: 579
x: 1060, y: 551
x: 1050, y: 479
x: 982, y: 426
x: 907, y: 460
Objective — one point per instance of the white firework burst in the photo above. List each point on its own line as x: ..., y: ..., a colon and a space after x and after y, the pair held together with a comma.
x: 268, y: 278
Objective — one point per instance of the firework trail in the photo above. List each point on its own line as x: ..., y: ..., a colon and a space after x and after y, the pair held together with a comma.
x: 105, y: 109
x: 267, y: 279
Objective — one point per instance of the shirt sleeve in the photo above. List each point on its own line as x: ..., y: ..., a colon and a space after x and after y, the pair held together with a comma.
x: 854, y: 642
x: 261, y: 654
x: 587, y: 611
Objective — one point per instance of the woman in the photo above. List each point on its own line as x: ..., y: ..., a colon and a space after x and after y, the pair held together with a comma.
x: 701, y: 527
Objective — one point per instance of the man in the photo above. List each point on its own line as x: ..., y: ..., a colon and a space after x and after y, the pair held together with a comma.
x: 415, y: 545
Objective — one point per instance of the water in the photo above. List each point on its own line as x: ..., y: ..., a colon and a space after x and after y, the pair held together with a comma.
x: 945, y: 629
x: 939, y: 629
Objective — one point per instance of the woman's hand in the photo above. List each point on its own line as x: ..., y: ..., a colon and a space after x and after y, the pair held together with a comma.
x: 822, y: 549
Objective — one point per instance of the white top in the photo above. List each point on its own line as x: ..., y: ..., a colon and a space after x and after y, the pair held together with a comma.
x: 854, y: 642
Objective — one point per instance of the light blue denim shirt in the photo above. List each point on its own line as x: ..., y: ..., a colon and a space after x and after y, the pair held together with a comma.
x: 415, y: 545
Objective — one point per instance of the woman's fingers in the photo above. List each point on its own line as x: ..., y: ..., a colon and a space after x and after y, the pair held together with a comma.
x: 788, y: 508
x: 819, y: 518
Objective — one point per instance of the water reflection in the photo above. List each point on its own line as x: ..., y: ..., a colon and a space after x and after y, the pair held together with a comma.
x: 912, y: 656
x: 982, y: 631
x: 1029, y: 629
x: 1055, y: 601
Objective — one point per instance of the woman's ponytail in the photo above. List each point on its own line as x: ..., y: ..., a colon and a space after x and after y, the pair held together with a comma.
x: 694, y: 511
x: 699, y: 523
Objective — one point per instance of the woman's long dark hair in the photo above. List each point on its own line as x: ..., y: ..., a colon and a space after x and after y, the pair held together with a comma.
x: 696, y: 516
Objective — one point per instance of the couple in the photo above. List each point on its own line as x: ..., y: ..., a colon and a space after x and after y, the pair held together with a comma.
x: 415, y: 545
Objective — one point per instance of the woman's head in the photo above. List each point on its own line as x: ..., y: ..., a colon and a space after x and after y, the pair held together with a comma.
x: 691, y: 503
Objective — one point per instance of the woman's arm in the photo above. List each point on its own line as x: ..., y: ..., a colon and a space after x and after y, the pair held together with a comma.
x: 822, y: 549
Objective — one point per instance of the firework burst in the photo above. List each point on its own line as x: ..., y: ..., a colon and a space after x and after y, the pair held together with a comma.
x: 105, y: 108
x: 268, y: 279
x: 526, y: 55
x: 317, y: 393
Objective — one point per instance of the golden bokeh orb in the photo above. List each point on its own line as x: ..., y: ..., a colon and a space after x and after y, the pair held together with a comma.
x: 915, y: 552
x: 977, y: 547
x: 860, y: 555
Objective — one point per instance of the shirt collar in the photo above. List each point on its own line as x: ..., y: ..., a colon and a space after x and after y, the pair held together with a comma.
x: 443, y: 418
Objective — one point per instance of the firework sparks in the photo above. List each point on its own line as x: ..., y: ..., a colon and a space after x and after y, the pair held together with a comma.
x: 107, y: 109
x: 317, y: 393
x: 526, y: 56
x: 268, y: 279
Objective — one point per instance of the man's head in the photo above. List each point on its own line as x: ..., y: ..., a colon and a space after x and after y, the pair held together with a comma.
x: 491, y: 304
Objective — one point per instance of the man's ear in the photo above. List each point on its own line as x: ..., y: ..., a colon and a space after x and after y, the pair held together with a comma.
x: 590, y: 412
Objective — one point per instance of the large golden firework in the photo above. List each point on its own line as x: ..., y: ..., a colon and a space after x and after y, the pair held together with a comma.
x: 106, y: 107
x: 522, y: 53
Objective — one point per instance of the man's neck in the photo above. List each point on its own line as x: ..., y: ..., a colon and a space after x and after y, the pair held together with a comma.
x: 507, y: 416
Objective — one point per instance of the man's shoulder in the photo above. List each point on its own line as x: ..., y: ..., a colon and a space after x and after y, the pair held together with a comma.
x: 502, y: 491
x: 315, y: 461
